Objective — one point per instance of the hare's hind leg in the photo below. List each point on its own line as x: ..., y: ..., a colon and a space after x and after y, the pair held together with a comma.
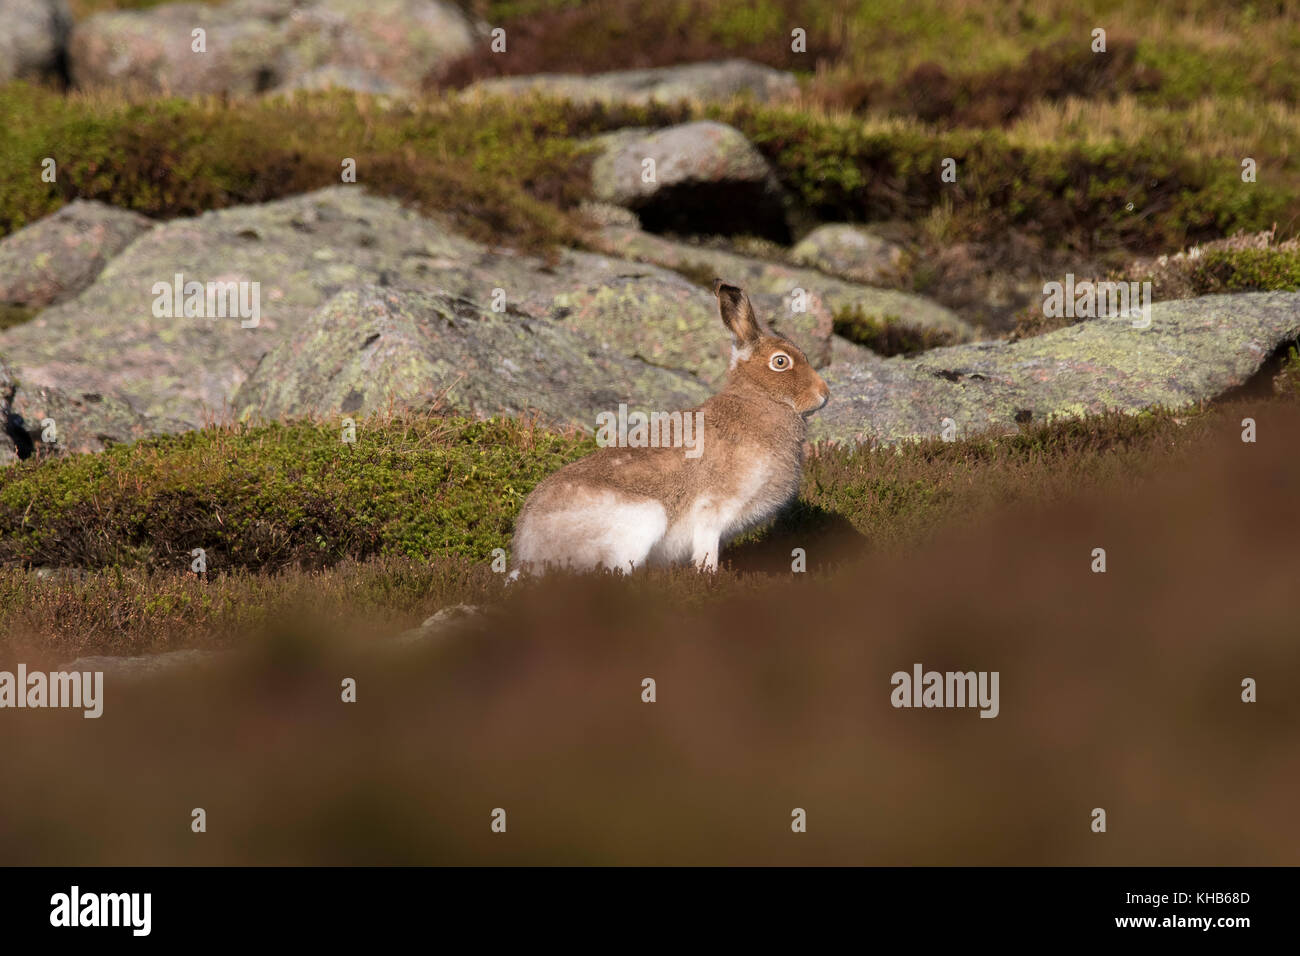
x: 584, y: 531
x: 631, y: 532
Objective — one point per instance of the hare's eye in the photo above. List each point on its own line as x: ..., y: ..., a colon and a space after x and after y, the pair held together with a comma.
x: 779, y: 362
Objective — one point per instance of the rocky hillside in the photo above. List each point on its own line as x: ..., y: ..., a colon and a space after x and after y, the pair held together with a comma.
x: 365, y: 306
x: 541, y: 244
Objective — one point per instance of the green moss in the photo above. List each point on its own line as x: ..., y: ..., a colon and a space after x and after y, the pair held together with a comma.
x: 85, y: 8
x: 498, y: 171
x: 887, y: 335
x: 1237, y: 264
x: 700, y: 273
x: 1078, y: 194
x: 1241, y: 270
x: 280, y: 495
x: 11, y: 315
x: 1236, y: 69
x: 294, y: 495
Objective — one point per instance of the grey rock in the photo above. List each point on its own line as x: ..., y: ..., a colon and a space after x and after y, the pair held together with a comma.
x: 60, y: 423
x: 846, y: 350
x: 451, y: 621
x: 708, y: 178
x: 759, y: 275
x: 371, y: 349
x: 706, y: 82
x: 150, y: 51
x: 301, y: 251
x: 8, y: 447
x: 54, y: 258
x: 608, y: 214
x: 661, y: 318
x: 34, y: 38
x: 849, y: 251
x: 1193, y: 350
x: 372, y: 45
x: 180, y: 372
x: 253, y: 46
x: 146, y: 666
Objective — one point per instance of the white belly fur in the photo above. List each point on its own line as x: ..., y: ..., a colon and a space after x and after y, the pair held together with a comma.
x: 601, y: 528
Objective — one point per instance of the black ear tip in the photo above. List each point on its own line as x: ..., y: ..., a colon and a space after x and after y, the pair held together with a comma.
x: 720, y: 288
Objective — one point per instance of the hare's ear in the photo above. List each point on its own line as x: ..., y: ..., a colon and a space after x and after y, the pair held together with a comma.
x: 737, y: 314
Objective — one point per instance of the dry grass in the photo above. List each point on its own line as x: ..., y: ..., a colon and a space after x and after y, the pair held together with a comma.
x: 1224, y: 127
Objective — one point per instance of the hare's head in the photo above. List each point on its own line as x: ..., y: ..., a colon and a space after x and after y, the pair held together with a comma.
x: 766, y: 361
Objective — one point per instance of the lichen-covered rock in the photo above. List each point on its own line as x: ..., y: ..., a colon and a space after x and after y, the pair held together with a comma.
x: 370, y: 350
x: 1193, y: 350
x: 706, y: 82
x: 55, y: 258
x: 252, y: 46
x: 59, y: 423
x: 33, y: 38
x: 666, y: 323
x: 8, y: 447
x: 663, y: 319
x: 153, y: 50
x: 694, y: 177
x: 641, y: 309
x: 849, y: 251
x: 299, y: 251
x: 43, y: 421
x: 846, y: 350
x: 607, y: 214
x: 778, y: 279
x: 302, y: 251
x: 148, y: 666
x: 566, y: 337
x: 372, y: 45
x: 458, y: 620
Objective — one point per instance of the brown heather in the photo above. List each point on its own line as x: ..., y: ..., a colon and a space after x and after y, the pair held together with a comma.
x: 1119, y: 689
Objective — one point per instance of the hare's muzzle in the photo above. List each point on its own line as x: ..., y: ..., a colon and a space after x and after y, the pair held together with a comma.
x: 816, y: 398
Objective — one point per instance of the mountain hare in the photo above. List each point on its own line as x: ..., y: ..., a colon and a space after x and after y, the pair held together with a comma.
x: 621, y: 507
